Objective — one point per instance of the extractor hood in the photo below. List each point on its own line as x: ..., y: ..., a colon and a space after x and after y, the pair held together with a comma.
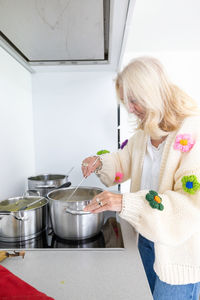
x: 63, y: 32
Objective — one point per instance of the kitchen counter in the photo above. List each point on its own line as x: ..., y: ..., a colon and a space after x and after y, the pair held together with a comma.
x: 86, y: 275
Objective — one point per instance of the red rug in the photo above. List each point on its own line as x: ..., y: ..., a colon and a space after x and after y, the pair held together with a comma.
x: 13, y: 288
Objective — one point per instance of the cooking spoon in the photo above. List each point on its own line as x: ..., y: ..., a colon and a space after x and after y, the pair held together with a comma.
x: 70, y: 171
x: 65, y: 185
x: 70, y: 196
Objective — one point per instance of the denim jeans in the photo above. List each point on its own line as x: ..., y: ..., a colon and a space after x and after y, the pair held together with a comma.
x: 159, y: 289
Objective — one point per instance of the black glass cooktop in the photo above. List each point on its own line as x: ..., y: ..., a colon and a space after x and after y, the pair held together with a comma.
x: 110, y: 237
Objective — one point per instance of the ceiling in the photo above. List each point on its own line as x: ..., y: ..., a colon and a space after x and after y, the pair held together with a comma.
x: 41, y: 33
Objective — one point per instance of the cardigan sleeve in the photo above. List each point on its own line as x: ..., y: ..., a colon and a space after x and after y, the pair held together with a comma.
x: 180, y: 218
x: 113, y: 163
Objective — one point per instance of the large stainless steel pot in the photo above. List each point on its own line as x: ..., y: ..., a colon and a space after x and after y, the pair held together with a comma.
x: 68, y: 218
x: 46, y: 182
x: 23, y: 225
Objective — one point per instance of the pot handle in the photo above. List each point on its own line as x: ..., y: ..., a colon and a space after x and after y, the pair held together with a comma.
x: 5, y: 213
x: 20, y: 218
x: 76, y: 212
x: 10, y: 213
x: 27, y: 193
x: 64, y: 185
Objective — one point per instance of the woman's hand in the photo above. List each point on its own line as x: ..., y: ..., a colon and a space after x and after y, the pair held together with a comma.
x: 90, y: 164
x: 105, y: 201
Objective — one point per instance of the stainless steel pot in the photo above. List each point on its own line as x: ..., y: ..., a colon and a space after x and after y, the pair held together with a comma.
x: 46, y: 182
x: 69, y: 221
x: 23, y: 225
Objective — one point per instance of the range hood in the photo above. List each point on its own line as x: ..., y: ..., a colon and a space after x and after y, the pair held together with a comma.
x: 64, y: 32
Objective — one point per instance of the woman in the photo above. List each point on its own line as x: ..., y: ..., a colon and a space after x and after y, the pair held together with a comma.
x: 162, y: 159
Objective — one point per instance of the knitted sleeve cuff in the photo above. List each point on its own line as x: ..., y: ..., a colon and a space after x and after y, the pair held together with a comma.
x: 107, y: 171
x: 100, y: 166
x: 132, y: 206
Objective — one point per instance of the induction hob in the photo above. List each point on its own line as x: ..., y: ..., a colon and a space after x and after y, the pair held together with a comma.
x: 109, y: 238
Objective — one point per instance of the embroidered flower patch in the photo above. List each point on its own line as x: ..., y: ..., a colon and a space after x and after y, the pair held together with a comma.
x: 190, y: 184
x: 184, y: 142
x: 124, y: 144
x: 118, y: 177
x: 154, y: 200
x: 102, y: 152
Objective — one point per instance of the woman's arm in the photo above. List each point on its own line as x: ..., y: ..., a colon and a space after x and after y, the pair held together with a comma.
x: 116, y: 167
x: 179, y: 218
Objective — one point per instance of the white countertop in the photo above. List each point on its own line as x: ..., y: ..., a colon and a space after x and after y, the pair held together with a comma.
x: 84, y: 274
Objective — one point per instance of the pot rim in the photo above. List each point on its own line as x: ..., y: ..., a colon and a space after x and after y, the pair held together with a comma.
x: 71, y: 188
x: 37, y: 178
x: 21, y: 197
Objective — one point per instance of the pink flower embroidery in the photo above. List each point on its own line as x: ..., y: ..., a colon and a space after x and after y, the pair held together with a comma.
x: 118, y: 177
x: 184, y: 142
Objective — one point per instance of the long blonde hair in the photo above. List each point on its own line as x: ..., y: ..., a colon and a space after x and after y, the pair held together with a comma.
x: 166, y: 105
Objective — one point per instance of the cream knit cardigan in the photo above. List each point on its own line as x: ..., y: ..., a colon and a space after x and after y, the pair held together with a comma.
x: 175, y: 231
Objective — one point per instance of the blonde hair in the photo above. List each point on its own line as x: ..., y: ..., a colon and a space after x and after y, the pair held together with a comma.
x: 166, y: 105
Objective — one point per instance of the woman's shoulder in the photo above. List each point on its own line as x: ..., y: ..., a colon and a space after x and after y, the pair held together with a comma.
x: 192, y: 119
x: 191, y: 125
x: 137, y: 136
x: 136, y: 140
x: 189, y: 129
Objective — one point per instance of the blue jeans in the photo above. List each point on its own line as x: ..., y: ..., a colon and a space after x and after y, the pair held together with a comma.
x: 159, y: 289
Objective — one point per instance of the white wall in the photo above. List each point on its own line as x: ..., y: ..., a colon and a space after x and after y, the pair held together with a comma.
x: 75, y: 115
x: 159, y: 25
x: 16, y: 130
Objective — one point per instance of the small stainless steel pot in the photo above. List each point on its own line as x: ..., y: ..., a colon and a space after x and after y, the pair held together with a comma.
x: 69, y: 221
x: 46, y: 182
x: 23, y: 225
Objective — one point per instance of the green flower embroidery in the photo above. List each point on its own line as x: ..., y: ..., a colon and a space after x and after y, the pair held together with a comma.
x: 154, y: 200
x: 190, y: 184
x: 102, y: 152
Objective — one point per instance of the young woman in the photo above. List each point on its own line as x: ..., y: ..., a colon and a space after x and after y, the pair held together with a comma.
x: 162, y: 159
